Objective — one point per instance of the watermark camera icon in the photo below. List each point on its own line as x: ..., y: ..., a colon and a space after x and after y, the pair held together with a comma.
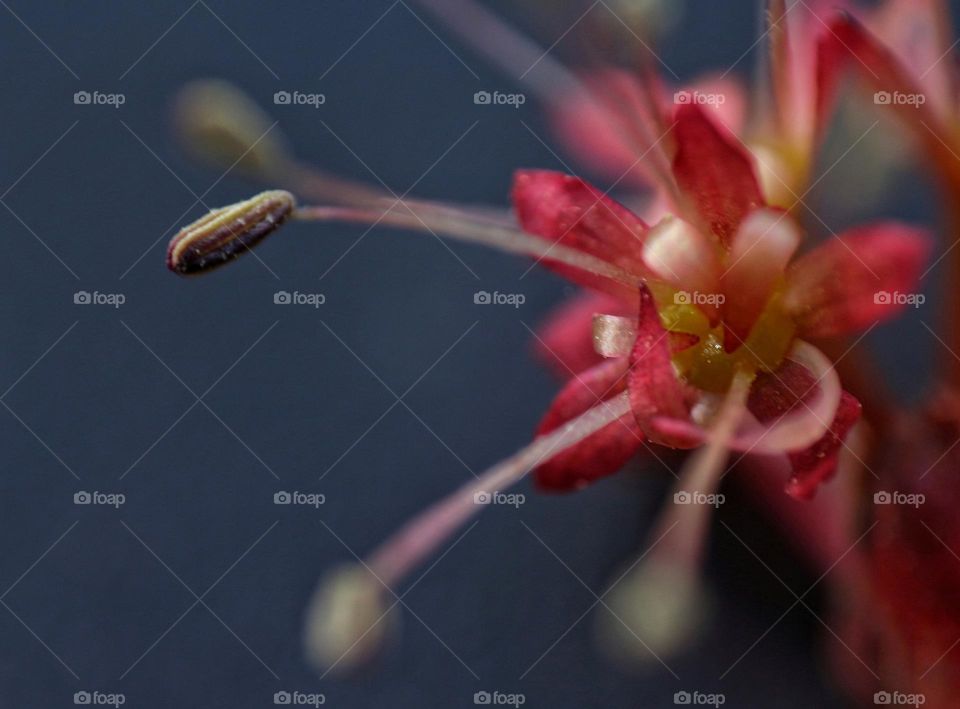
x: 82, y: 498
x: 282, y: 98
x: 482, y: 498
x: 82, y: 698
x: 682, y: 698
x: 282, y: 297
x: 482, y: 98
x: 82, y: 98
x: 682, y: 498
x: 882, y: 498
x: 282, y: 698
x: 82, y: 297
x: 482, y: 297
x: 482, y: 698
x: 282, y: 498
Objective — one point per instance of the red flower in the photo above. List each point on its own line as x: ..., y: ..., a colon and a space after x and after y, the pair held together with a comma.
x: 735, y: 253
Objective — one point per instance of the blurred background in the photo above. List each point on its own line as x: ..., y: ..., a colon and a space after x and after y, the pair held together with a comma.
x: 198, y: 400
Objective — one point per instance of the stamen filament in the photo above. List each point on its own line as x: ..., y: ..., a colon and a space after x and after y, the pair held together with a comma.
x: 347, y: 620
x: 461, y: 225
x: 421, y: 536
x: 517, y: 55
x: 662, y: 602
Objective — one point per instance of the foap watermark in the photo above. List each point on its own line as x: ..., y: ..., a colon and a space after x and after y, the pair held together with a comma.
x: 482, y: 297
x: 107, y: 499
x: 682, y: 297
x: 299, y: 699
x: 685, y: 698
x: 99, y: 699
x: 98, y: 98
x: 314, y: 300
x: 899, y: 699
x: 684, y: 497
x: 299, y: 98
x: 307, y: 499
x: 914, y: 499
x: 497, y: 98
x: 898, y: 98
x: 885, y: 297
x: 512, y: 499
x: 84, y: 297
x: 699, y: 98
x: 500, y: 699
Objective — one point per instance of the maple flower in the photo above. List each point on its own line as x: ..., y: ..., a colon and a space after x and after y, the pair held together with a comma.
x: 714, y: 353
x: 697, y: 324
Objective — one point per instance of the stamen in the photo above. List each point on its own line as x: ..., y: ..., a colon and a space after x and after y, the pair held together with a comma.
x: 663, y: 602
x: 226, y: 232
x: 343, y: 600
x: 464, y: 226
x: 517, y: 55
x: 223, y: 126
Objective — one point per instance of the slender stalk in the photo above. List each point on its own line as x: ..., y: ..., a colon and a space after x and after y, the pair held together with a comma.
x: 469, y: 227
x: 421, y: 536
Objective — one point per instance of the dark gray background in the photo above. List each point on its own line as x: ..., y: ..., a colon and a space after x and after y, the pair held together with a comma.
x: 87, y: 591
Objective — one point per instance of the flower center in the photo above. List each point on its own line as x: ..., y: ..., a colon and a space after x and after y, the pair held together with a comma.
x: 706, y: 363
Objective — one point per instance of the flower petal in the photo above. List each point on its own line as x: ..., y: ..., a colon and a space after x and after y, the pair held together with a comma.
x: 564, y: 341
x: 776, y: 395
x: 601, y: 454
x: 655, y: 389
x: 856, y: 279
x: 714, y: 173
x: 606, y: 124
x: 818, y: 463
x: 849, y: 44
x: 761, y: 250
x: 681, y: 255
x: 568, y: 211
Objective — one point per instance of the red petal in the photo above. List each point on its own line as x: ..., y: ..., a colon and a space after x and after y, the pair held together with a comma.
x: 601, y: 454
x: 849, y: 45
x: 714, y: 172
x: 565, y: 340
x: 655, y: 390
x: 818, y: 463
x: 599, y: 123
x: 568, y: 211
x: 839, y: 287
x: 775, y: 394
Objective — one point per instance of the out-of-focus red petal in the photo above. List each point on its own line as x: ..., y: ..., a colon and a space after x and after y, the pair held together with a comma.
x: 714, y: 173
x: 606, y: 124
x: 655, y: 390
x: 856, y: 279
x: 727, y: 99
x: 849, y: 45
x: 565, y: 339
x: 566, y: 210
x: 601, y: 454
x: 776, y: 394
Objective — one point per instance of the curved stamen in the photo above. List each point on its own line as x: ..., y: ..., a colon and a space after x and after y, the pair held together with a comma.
x: 662, y: 602
x: 344, y: 621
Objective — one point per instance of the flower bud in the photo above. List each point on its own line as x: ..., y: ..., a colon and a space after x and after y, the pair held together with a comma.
x: 347, y: 621
x: 222, y: 125
x: 226, y: 232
